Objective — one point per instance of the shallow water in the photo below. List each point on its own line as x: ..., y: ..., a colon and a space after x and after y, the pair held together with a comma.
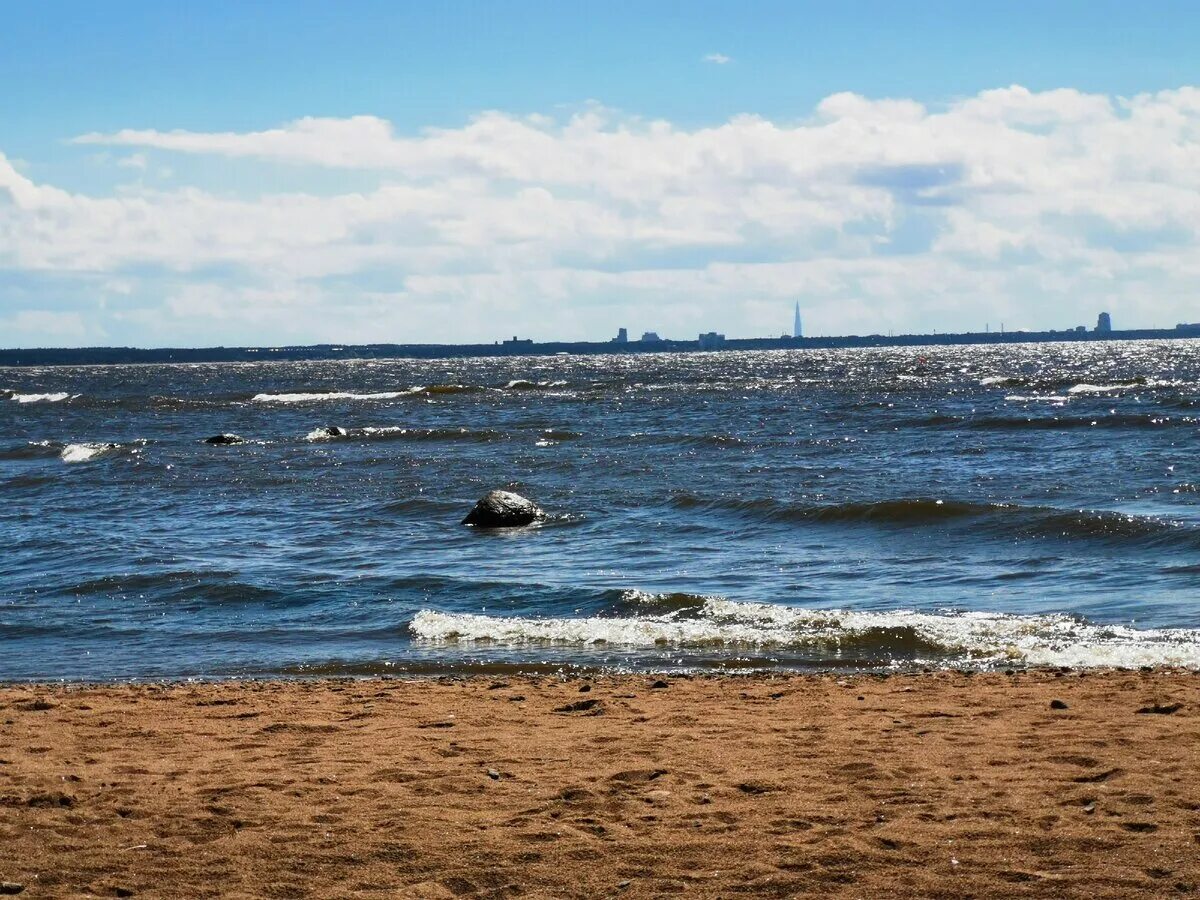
x: 947, y: 506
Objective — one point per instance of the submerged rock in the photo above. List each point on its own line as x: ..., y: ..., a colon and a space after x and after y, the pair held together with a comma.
x: 328, y: 431
x: 224, y: 439
x: 503, y: 509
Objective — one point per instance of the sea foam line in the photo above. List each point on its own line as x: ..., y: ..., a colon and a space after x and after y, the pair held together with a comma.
x: 965, y: 638
x: 332, y: 395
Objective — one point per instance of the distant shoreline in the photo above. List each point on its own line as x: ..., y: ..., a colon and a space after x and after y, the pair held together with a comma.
x: 707, y: 343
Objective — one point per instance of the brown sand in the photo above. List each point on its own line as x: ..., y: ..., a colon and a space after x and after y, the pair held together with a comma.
x: 938, y: 785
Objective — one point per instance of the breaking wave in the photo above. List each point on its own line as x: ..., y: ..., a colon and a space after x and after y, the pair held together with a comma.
x: 87, y: 452
x: 970, y: 639
x: 396, y: 433
x: 57, y: 397
x: 322, y: 396
x: 521, y: 384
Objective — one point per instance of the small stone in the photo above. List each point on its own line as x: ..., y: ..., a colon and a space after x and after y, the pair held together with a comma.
x: 11, y: 887
x: 123, y: 892
x: 659, y: 685
x: 593, y: 706
x: 493, y: 774
x: 1159, y: 709
x: 584, y: 688
x: 224, y: 440
x: 1058, y: 704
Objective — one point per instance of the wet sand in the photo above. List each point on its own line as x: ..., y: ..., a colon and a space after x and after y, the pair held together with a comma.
x: 935, y: 785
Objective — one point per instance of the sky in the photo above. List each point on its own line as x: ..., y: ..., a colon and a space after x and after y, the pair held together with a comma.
x: 269, y: 173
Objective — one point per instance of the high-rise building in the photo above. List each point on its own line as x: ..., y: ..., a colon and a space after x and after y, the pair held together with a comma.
x: 622, y: 336
x: 797, y: 331
x: 1103, y: 324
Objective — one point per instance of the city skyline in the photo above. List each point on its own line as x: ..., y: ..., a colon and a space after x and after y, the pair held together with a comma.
x: 402, y: 174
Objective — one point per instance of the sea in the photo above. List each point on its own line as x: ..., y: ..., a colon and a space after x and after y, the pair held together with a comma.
x: 885, y: 509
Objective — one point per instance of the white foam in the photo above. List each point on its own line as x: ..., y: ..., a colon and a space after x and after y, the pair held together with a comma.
x: 1113, y: 388
x: 1038, y: 398
x: 525, y: 383
x: 77, y: 453
x: 977, y: 638
x: 322, y: 434
x: 43, y: 398
x: 331, y: 395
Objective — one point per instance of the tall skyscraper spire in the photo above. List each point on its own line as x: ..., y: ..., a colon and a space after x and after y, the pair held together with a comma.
x: 797, y: 331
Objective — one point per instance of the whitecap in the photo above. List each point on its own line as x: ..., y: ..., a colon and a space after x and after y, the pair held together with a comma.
x: 77, y: 453
x: 44, y: 398
x: 330, y: 395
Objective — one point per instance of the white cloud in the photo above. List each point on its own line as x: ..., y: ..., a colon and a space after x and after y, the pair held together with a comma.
x: 876, y: 214
x: 719, y: 59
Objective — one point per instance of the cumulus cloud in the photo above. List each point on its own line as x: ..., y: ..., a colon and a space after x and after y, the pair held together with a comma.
x: 718, y: 59
x: 874, y: 213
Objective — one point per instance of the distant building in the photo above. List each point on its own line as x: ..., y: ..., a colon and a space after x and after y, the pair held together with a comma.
x: 622, y: 336
x: 1081, y: 329
x: 518, y: 342
x: 797, y: 330
x: 712, y: 341
x: 650, y: 337
x: 1189, y: 327
x: 1103, y: 324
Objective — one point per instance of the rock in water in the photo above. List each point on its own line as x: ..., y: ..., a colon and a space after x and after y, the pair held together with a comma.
x: 330, y: 431
x: 503, y: 509
x: 224, y: 439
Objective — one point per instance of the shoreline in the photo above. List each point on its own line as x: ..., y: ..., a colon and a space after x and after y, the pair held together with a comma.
x: 938, y: 784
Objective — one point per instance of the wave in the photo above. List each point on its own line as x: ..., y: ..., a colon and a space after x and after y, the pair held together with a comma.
x: 87, y: 452
x: 966, y: 639
x: 904, y: 510
x: 31, y: 450
x: 1073, y: 385
x: 57, y: 397
x: 1118, y: 386
x: 521, y: 384
x: 84, y: 451
x: 1006, y: 519
x: 322, y: 396
x: 334, y: 433
x: 1047, y: 422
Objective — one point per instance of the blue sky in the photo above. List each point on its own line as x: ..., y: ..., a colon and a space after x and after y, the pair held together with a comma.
x: 565, y: 168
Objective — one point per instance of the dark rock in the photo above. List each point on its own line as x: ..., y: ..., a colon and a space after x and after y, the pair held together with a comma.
x: 584, y: 688
x: 224, y: 439
x: 11, y: 887
x: 503, y: 509
x: 1058, y: 704
x: 1161, y: 709
x: 580, y: 706
x: 756, y: 787
x: 659, y: 685
x: 493, y: 774
x: 330, y: 431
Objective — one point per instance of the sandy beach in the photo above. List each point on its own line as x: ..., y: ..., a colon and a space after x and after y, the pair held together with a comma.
x: 933, y: 785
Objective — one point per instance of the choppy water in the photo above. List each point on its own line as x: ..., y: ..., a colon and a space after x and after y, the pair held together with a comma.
x: 1026, y: 504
